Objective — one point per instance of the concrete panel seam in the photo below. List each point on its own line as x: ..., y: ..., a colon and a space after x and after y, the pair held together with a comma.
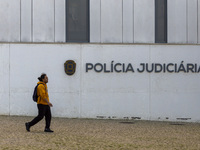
x: 149, y: 84
x: 20, y: 26
x: 31, y: 20
x: 187, y: 30
x: 9, y: 81
x: 81, y: 85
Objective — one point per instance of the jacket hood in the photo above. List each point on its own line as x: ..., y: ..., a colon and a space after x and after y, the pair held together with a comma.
x: 40, y: 82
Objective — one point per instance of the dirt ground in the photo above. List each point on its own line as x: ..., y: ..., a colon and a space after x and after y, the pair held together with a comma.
x: 91, y: 134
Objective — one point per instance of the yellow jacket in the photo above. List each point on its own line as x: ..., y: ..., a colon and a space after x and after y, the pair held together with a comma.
x: 42, y: 93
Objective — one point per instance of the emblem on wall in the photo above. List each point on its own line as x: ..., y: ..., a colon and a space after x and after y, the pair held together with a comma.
x: 70, y: 67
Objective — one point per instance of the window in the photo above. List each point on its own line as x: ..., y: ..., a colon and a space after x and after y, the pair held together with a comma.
x: 77, y: 20
x: 161, y: 21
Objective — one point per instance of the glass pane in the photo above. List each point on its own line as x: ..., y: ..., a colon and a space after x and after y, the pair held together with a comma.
x: 77, y: 20
x: 161, y: 21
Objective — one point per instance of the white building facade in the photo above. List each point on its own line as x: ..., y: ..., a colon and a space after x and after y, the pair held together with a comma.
x: 130, y: 62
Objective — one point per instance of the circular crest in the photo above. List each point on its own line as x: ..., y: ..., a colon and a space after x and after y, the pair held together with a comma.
x: 70, y: 67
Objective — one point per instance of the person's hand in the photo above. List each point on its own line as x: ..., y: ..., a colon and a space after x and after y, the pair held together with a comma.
x: 50, y: 104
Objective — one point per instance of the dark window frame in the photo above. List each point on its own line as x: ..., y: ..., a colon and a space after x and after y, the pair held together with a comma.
x: 163, y: 38
x: 87, y: 35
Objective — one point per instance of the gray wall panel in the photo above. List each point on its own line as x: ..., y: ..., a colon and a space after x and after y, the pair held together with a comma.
x: 128, y: 21
x: 4, y: 21
x: 144, y: 21
x: 177, y: 27
x: 26, y: 21
x: 95, y: 21
x: 10, y: 20
x: 192, y: 21
x: 111, y: 21
x: 4, y: 79
x: 43, y: 21
x: 60, y: 24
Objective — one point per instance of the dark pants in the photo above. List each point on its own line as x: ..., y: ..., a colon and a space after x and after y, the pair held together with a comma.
x: 43, y: 110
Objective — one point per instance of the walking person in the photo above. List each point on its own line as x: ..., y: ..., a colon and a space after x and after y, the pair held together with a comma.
x: 43, y: 105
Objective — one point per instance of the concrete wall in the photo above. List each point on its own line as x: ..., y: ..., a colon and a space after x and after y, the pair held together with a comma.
x: 183, y: 21
x: 32, y: 21
x: 113, y: 21
x: 151, y: 96
x: 154, y: 96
